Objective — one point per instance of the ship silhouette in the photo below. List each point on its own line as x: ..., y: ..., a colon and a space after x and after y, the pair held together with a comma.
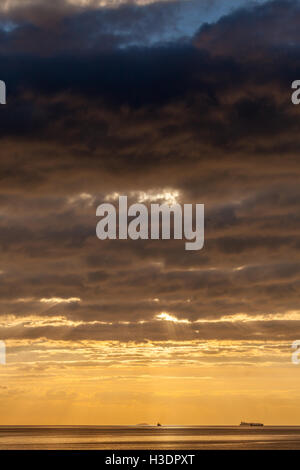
x: 243, y: 423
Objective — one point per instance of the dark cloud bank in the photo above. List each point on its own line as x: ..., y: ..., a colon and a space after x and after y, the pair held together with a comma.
x: 90, y: 113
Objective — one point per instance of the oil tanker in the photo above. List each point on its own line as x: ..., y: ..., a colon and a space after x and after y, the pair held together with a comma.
x: 250, y: 424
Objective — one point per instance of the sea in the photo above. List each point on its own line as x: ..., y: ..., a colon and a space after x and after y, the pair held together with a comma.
x: 149, y: 437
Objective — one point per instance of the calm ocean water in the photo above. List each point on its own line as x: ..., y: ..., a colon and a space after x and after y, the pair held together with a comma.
x: 148, y: 437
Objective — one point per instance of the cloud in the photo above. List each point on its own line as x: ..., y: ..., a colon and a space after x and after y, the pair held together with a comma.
x: 84, y: 27
x: 252, y: 32
x: 199, y: 118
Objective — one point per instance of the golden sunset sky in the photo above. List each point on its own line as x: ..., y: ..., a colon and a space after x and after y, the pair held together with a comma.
x: 175, y: 101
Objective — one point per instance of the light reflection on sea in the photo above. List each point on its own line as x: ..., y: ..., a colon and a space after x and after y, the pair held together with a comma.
x: 149, y: 437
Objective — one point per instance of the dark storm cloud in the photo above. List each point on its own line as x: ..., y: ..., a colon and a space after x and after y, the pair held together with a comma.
x: 46, y: 30
x: 251, y: 32
x: 211, y: 118
x: 43, y: 28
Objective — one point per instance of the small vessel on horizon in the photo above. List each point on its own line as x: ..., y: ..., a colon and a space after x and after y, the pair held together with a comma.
x: 243, y: 423
x: 158, y: 424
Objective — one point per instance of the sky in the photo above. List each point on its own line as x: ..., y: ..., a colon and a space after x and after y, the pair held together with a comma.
x: 173, y: 100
